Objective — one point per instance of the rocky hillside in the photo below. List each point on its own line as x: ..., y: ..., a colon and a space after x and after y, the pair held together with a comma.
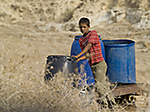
x: 67, y: 12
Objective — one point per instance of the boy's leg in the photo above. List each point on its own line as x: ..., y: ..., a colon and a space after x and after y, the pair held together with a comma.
x: 102, y: 86
x: 99, y: 71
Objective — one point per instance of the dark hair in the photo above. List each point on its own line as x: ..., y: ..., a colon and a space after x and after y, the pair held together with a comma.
x: 84, y: 20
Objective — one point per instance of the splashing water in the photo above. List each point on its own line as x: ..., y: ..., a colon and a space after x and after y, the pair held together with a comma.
x: 65, y: 69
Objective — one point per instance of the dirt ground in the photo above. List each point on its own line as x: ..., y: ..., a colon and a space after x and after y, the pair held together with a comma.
x: 32, y: 30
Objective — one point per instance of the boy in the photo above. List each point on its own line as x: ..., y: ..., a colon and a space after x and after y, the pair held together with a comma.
x: 91, y: 47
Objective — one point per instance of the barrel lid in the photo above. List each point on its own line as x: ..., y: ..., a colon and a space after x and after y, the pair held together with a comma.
x: 77, y: 37
x: 118, y: 43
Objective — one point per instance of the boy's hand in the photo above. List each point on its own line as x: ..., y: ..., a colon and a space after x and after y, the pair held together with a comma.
x: 76, y: 58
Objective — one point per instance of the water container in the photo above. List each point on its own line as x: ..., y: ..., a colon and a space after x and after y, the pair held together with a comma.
x: 120, y: 59
x: 102, y: 47
x: 83, y: 65
x: 84, y: 68
x: 55, y: 63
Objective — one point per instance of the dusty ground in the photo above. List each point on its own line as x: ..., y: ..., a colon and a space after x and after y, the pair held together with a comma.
x: 31, y: 30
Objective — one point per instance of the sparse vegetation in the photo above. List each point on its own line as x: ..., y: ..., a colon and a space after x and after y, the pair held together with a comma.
x: 31, y: 30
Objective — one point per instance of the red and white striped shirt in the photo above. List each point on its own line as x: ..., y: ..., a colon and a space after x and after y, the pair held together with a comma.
x: 95, y: 51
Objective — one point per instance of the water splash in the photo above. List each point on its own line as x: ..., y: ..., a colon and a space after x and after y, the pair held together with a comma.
x: 65, y: 69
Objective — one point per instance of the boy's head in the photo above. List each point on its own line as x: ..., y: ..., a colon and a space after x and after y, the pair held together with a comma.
x: 84, y: 25
x: 85, y: 21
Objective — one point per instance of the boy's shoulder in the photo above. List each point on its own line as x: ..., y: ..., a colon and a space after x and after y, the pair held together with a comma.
x: 93, y: 31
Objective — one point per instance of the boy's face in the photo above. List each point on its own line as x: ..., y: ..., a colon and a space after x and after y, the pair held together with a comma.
x: 84, y: 28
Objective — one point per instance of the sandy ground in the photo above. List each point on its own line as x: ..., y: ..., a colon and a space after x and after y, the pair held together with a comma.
x: 23, y: 47
x: 32, y: 30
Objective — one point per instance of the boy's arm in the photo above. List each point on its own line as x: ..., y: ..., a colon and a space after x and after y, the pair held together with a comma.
x: 81, y: 58
x: 85, y: 50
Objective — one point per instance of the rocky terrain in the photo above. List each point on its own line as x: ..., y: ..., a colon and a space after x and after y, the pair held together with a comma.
x: 30, y: 30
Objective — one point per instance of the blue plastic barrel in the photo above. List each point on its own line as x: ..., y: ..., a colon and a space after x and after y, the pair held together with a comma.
x: 102, y: 47
x: 120, y: 59
x: 84, y: 68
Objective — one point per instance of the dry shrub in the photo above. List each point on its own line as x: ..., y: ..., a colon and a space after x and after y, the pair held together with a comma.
x: 21, y: 94
x: 30, y: 93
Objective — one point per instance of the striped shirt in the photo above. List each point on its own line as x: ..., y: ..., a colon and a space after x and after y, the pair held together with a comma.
x: 95, y: 51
